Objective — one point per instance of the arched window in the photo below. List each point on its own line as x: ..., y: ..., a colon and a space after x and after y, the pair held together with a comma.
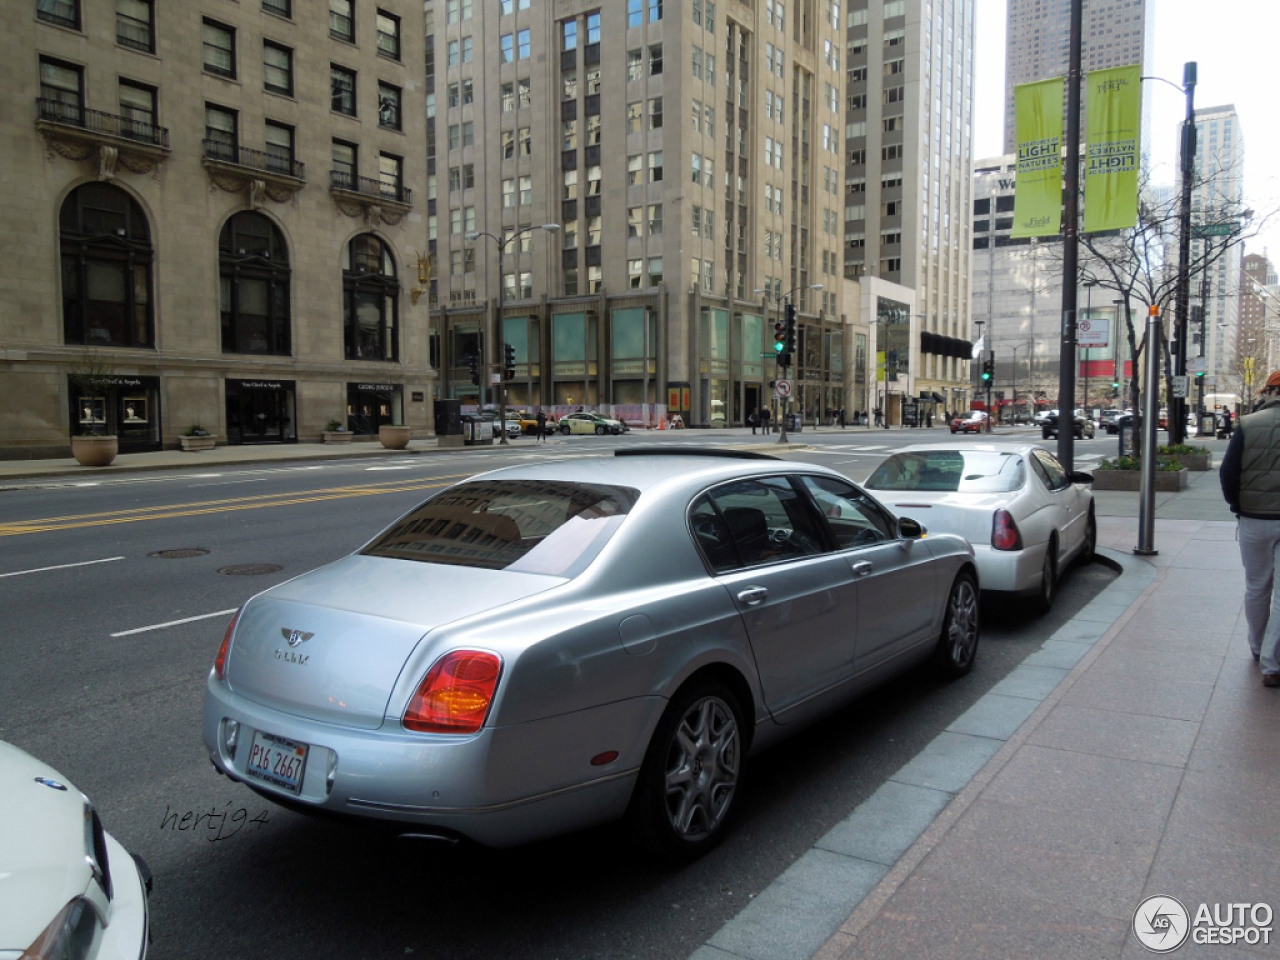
x: 254, y: 267
x: 370, y: 295
x: 106, y: 269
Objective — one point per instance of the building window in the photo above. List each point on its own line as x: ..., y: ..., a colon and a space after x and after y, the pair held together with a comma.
x: 526, y: 189
x: 635, y: 64
x: 655, y: 166
x: 277, y: 68
x: 634, y: 117
x: 281, y: 8
x: 342, y: 25
x: 137, y: 112
x: 655, y: 271
x: 593, y: 28
x: 63, y: 13
x: 388, y: 106
x: 511, y: 6
x: 655, y: 219
x: 635, y: 169
x: 655, y: 60
x: 655, y: 10
x: 569, y: 35
x: 522, y: 44
x: 342, y: 90
x: 219, y: 49
x: 370, y: 293
x: 655, y: 113
x: 280, y: 151
x: 391, y: 177
x: 221, y: 141
x: 61, y: 91
x: 135, y: 25
x: 635, y: 13
x: 388, y: 35
x: 254, y: 272
x: 344, y: 165
x: 106, y: 268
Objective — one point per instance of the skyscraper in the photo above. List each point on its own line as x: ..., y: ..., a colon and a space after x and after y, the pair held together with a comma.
x: 689, y: 155
x: 908, y: 163
x: 1217, y: 198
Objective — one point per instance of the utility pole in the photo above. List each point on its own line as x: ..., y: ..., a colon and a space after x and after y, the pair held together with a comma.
x: 1070, y: 243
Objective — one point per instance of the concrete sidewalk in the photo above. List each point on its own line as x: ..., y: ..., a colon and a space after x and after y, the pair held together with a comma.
x: 1135, y: 755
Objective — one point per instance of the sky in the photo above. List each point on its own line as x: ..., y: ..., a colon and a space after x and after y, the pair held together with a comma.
x: 1235, y: 53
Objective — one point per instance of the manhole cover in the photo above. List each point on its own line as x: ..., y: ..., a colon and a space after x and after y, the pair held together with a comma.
x: 250, y: 569
x: 181, y: 554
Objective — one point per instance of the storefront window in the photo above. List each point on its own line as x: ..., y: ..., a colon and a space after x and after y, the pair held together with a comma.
x: 261, y: 411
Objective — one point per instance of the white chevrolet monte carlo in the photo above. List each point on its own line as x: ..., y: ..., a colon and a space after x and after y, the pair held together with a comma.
x: 68, y: 889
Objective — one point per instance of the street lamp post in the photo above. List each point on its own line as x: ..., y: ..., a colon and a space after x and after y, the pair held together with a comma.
x: 1117, y: 356
x: 500, y: 324
x: 779, y: 305
x: 1088, y: 311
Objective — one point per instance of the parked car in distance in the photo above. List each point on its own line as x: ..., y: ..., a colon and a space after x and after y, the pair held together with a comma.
x: 974, y: 422
x: 67, y: 887
x: 1082, y: 426
x: 583, y: 422
x: 563, y: 643
x: 1026, y: 517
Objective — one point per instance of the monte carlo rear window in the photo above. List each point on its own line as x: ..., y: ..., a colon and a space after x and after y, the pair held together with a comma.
x: 530, y: 526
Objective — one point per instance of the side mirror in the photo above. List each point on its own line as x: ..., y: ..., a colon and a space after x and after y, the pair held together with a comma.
x: 909, y: 529
x: 1079, y: 476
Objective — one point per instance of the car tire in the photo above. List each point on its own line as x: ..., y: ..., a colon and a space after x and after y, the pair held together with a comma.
x: 958, y: 644
x: 1048, y: 578
x: 565, y: 430
x: 1090, y: 546
x: 953, y: 429
x: 599, y: 430
x: 1045, y: 434
x: 691, y: 774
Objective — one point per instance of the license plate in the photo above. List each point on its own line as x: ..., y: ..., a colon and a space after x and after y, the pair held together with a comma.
x: 276, y: 761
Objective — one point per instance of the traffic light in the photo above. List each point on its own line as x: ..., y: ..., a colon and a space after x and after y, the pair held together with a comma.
x: 474, y: 368
x: 988, y: 370
x: 790, y: 330
x: 779, y: 336
x: 1199, y: 374
x: 509, y: 362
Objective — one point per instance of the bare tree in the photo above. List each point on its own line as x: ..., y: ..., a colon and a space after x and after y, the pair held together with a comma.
x: 1141, y: 264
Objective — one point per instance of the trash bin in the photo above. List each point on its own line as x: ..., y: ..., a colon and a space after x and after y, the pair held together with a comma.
x: 793, y: 422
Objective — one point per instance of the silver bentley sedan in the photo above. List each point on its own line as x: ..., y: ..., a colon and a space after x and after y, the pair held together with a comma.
x: 545, y: 647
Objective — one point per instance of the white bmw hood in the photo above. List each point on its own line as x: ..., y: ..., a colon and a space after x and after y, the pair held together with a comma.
x: 331, y: 644
x: 42, y: 846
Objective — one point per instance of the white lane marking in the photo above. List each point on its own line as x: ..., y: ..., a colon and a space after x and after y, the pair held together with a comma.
x: 383, y: 469
x: 175, y: 623
x: 62, y: 566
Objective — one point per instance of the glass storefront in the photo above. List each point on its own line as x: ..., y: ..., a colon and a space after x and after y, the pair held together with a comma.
x: 261, y: 411
x: 127, y: 408
x: 370, y: 405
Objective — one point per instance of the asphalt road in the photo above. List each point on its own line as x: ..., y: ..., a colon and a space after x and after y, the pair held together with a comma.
x: 115, y: 598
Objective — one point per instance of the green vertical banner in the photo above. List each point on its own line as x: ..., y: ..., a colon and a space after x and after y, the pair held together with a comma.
x: 1114, y: 112
x: 1037, y: 196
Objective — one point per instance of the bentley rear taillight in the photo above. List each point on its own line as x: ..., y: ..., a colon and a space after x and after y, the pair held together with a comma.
x: 220, y: 661
x: 1004, y: 532
x: 456, y: 694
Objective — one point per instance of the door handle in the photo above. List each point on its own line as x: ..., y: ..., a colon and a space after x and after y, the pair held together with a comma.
x: 862, y: 568
x: 753, y: 596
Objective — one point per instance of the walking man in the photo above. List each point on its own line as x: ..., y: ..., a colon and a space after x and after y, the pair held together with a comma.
x: 764, y: 420
x: 542, y: 426
x: 1250, y: 477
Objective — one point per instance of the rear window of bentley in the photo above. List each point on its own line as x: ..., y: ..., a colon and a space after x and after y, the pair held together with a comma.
x: 531, y: 526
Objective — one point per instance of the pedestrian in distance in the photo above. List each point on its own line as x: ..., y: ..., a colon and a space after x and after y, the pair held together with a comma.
x: 841, y: 416
x: 542, y: 426
x: 1228, y: 422
x: 1251, y: 486
x: 764, y: 420
x: 751, y: 422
